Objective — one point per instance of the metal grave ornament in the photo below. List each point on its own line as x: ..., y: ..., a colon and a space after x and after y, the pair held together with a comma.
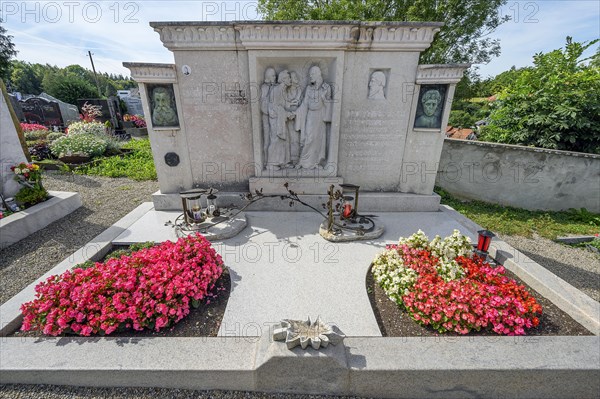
x: 213, y: 222
x: 304, y: 333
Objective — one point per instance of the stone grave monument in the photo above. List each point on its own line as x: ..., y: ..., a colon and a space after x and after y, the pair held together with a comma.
x: 69, y: 112
x: 12, y: 147
x: 42, y: 111
x: 252, y: 105
x: 109, y: 108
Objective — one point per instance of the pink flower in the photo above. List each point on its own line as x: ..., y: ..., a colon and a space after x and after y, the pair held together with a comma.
x: 152, y: 287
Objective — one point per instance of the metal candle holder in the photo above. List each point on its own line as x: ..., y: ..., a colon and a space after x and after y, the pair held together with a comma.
x: 483, y: 242
x: 192, y: 206
x: 354, y: 189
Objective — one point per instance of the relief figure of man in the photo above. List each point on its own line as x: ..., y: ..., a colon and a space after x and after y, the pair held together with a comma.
x: 311, y: 120
x: 293, y: 97
x: 265, y: 98
x: 377, y: 86
x: 278, y: 151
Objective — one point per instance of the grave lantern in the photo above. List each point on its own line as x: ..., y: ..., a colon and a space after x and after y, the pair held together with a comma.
x: 483, y: 242
x: 350, y: 188
x: 211, y: 205
x: 347, y: 209
x: 192, y: 207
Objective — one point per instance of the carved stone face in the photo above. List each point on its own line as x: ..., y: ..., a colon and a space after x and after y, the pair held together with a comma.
x: 270, y: 75
x: 314, y: 74
x: 430, y: 106
x: 375, y: 81
x: 431, y: 100
x: 161, y: 100
x: 294, y: 77
x: 286, y: 79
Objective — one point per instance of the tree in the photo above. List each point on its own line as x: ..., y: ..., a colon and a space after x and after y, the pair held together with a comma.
x: 68, y: 87
x: 462, y: 39
x: 25, y: 78
x: 554, y: 104
x: 7, y: 51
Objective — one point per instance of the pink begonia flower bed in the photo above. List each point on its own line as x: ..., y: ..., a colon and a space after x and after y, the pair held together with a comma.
x: 152, y: 288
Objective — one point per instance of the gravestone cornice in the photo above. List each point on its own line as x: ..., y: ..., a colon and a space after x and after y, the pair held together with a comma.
x: 152, y: 73
x: 441, y: 73
x: 305, y: 35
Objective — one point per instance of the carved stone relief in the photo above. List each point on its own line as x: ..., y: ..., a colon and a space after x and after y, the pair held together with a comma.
x: 162, y: 105
x: 377, y: 85
x: 430, y: 107
x: 295, y: 120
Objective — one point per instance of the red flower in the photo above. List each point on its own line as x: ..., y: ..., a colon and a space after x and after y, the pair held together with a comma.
x: 151, y: 288
x: 484, y: 298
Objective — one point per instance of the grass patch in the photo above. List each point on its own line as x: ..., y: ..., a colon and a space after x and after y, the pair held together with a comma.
x: 521, y: 222
x: 137, y: 165
x: 591, y: 245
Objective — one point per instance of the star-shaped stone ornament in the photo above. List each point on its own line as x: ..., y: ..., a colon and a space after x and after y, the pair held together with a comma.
x: 304, y: 333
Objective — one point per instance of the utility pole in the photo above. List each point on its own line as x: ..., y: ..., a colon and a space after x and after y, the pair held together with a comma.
x: 95, y: 74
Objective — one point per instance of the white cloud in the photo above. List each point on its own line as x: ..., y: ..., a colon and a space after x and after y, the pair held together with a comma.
x: 122, y: 32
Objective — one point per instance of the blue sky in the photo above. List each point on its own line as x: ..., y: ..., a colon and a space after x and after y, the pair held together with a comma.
x: 61, y: 32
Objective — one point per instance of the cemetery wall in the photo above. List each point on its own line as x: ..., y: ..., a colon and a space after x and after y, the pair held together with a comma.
x: 523, y: 177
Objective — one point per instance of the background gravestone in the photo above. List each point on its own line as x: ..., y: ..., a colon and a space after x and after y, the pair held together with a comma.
x: 12, y: 150
x: 132, y: 100
x: 69, y: 112
x: 16, y: 105
x: 109, y: 109
x: 42, y: 111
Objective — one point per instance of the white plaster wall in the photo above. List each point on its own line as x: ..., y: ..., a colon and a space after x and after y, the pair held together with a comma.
x: 523, y: 177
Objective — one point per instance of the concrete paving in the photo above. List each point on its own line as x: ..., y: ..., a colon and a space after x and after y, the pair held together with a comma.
x: 281, y: 268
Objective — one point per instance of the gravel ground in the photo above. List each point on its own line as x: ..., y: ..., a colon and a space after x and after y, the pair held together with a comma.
x: 54, y: 392
x: 579, y: 267
x: 107, y: 200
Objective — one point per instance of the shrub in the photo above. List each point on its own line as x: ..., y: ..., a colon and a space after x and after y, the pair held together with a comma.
x: 95, y: 128
x: 442, y: 285
x: 86, y: 144
x: 54, y: 135
x: 29, y: 196
x: 129, y: 250
x: 152, y: 288
x: 554, y: 104
x: 461, y: 119
x: 113, y: 145
x: 33, y: 135
x: 40, y: 151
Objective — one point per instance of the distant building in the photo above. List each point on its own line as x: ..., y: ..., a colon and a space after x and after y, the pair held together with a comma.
x: 461, y: 134
x: 123, y: 93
